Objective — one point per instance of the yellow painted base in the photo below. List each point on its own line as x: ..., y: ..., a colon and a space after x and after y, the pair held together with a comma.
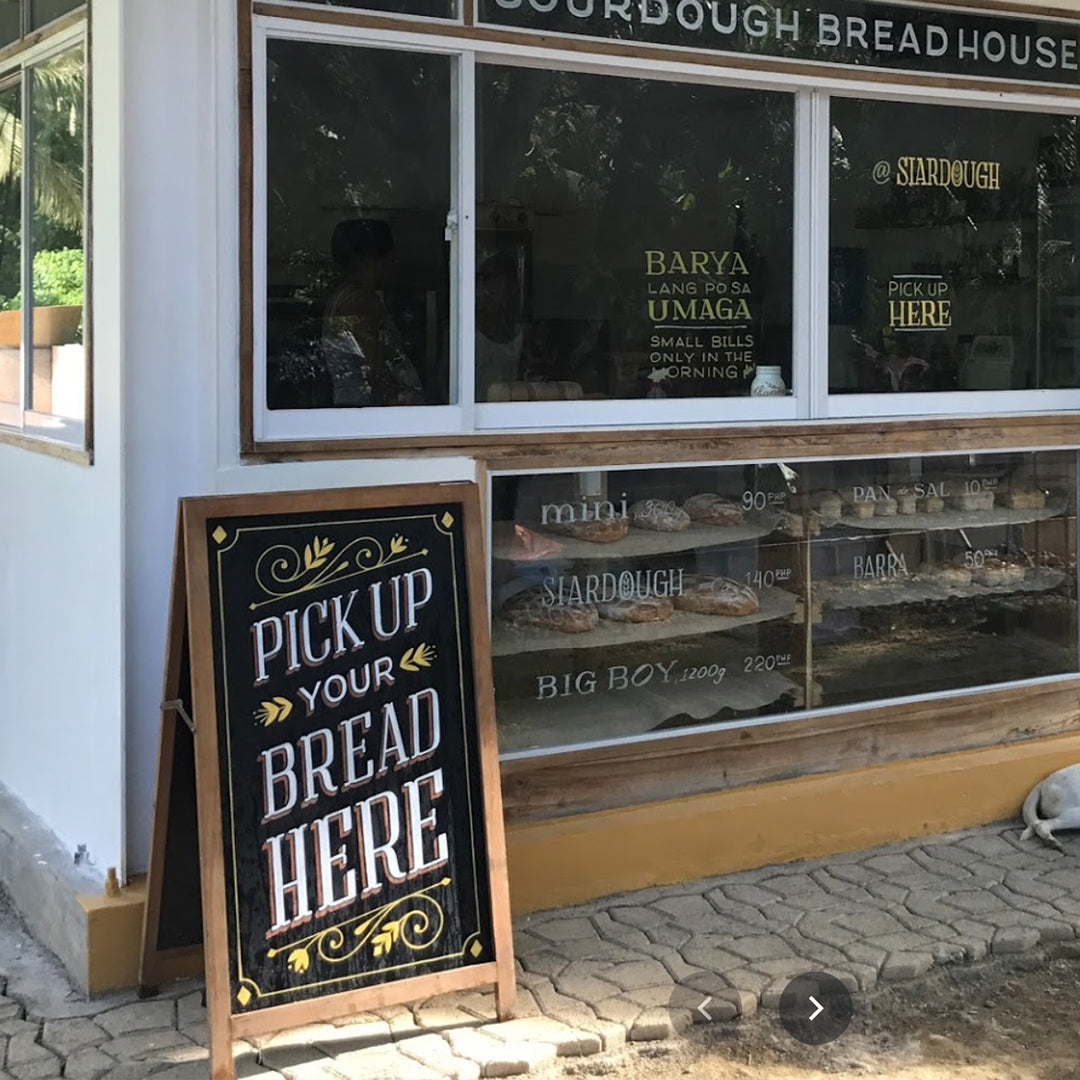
x: 568, y: 860
x: 114, y: 937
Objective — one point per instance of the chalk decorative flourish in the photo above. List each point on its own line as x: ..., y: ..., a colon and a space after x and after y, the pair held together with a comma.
x: 416, y: 658
x: 283, y: 571
x: 414, y: 922
x: 273, y: 711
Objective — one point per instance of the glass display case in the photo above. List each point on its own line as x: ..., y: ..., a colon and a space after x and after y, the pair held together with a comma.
x: 634, y: 602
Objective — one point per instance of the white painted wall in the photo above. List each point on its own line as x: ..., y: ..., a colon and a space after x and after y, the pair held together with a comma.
x: 181, y: 336
x: 61, y: 558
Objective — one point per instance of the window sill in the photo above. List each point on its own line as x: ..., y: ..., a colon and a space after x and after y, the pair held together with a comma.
x: 731, y: 441
x: 50, y: 447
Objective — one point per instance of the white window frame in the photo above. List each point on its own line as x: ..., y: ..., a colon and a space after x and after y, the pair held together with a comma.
x: 810, y: 400
x: 20, y: 417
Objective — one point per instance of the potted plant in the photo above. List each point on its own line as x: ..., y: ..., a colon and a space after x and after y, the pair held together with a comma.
x: 58, y: 300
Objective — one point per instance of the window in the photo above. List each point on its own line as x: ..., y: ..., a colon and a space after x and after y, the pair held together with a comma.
x: 619, y: 253
x: 358, y: 193
x: 43, y: 368
x: 636, y: 603
x: 953, y: 258
x: 457, y: 239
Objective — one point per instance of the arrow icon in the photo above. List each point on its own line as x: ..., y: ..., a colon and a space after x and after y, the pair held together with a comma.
x: 701, y: 1008
x: 819, y: 1008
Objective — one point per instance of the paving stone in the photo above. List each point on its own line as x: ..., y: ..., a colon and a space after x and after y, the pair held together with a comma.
x: 568, y: 1041
x: 637, y: 975
x: 140, y: 1045
x: 1015, y: 939
x: 88, y: 1064
x: 770, y: 996
x: 652, y: 1025
x: 564, y: 930
x: 746, y: 1003
x: 746, y: 893
x: 23, y: 1049
x: 651, y: 997
x: 66, y: 1036
x: 619, y: 1010
x: 545, y: 962
x: 434, y: 1052
x: 435, y: 1016
x: 762, y: 947
x: 899, y: 966
x: 498, y: 1058
x: 583, y: 987
x: 355, y: 1035
x: 377, y: 1063
x: 948, y: 952
x: 11, y: 1028
x: 10, y: 1009
x: 868, y: 923
x: 138, y: 1016
x: 640, y: 917
x: 42, y: 1069
x: 190, y: 1009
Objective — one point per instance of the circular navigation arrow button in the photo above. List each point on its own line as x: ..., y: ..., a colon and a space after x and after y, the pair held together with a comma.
x: 815, y: 1008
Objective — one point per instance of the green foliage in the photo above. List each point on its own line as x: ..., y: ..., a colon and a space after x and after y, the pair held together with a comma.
x: 58, y: 279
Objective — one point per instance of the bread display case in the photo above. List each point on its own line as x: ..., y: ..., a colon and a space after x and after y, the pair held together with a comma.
x: 631, y: 602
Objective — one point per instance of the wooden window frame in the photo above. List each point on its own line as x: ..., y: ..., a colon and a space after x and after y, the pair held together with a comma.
x: 475, y: 427
x: 20, y: 424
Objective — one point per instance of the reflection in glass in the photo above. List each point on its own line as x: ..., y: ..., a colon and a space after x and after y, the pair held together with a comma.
x: 632, y: 240
x: 44, y: 11
x: 56, y: 239
x: 358, y: 190
x: 434, y: 9
x: 10, y: 21
x: 952, y: 249
x: 10, y: 245
x: 642, y: 601
x: 629, y: 603
x: 942, y: 573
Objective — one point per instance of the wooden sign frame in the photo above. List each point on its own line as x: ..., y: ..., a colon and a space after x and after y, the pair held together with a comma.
x: 164, y: 962
x: 191, y: 597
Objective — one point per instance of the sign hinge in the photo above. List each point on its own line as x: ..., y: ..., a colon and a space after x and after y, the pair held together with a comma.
x: 176, y: 705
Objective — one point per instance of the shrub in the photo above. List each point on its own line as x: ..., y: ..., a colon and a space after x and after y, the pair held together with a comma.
x: 58, y: 279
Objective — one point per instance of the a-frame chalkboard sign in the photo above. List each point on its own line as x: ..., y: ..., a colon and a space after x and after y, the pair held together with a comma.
x: 350, y: 839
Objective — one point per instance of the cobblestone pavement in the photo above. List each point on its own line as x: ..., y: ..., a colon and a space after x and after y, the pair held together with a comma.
x: 592, y: 976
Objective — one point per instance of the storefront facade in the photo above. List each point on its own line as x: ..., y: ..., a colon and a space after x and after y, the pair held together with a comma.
x: 755, y: 325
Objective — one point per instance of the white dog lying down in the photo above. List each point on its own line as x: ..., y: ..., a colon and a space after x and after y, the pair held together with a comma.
x: 1053, y: 804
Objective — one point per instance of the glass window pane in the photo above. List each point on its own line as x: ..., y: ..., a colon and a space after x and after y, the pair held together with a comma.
x: 634, y: 602
x: 44, y: 11
x: 10, y: 21
x: 358, y: 191
x: 10, y: 244
x: 632, y: 242
x: 953, y: 239
x: 433, y: 9
x: 941, y: 573
x: 57, y: 156
x: 642, y: 601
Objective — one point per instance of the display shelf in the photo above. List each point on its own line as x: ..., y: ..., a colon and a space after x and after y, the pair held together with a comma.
x: 509, y: 640
x: 916, y: 590
x: 525, y: 724
x: 950, y: 519
x: 639, y: 543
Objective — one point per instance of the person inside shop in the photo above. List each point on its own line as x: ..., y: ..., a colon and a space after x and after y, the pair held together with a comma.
x: 501, y: 354
x: 365, y: 352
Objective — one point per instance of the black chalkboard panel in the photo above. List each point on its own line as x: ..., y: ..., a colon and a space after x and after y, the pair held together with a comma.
x: 344, y: 735
x: 180, y: 920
